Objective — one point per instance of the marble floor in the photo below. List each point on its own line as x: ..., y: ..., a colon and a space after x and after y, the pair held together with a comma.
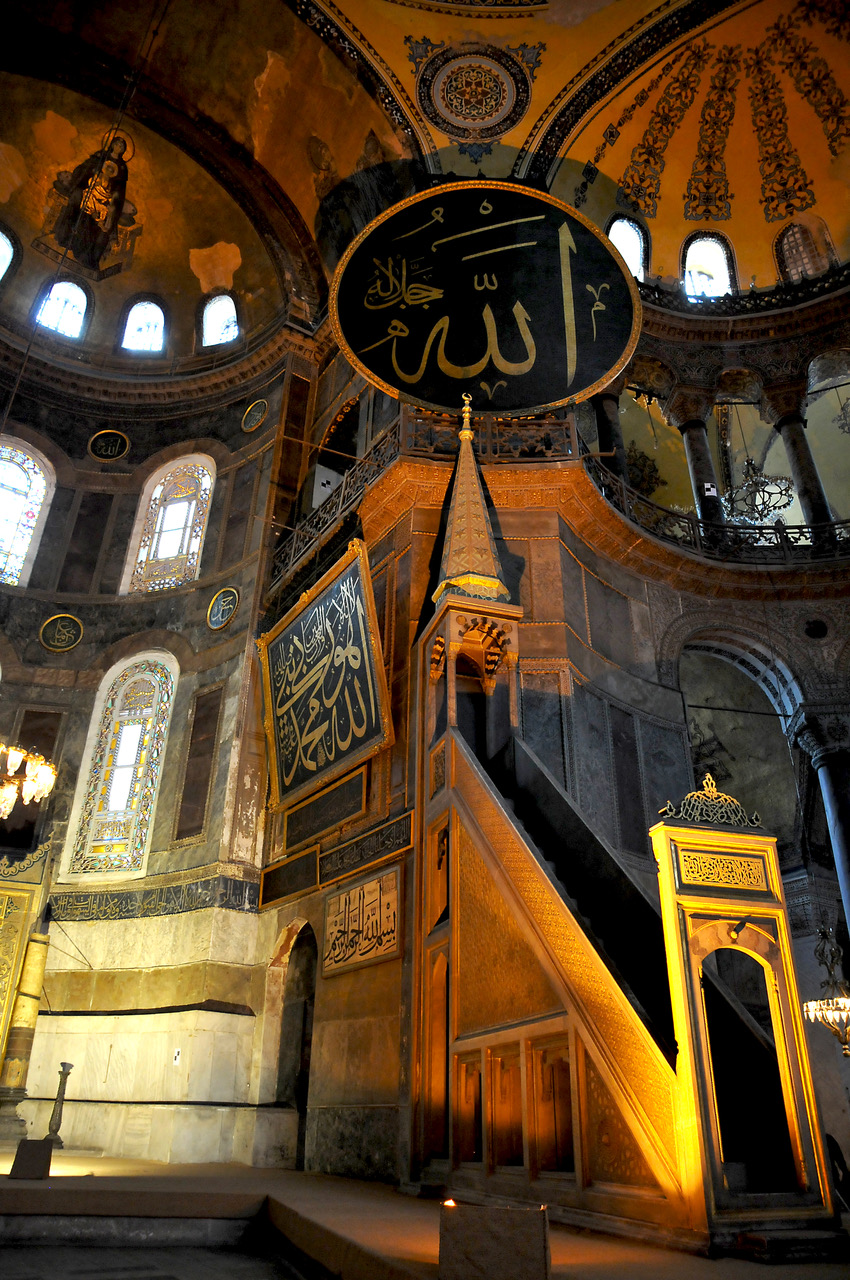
x: 366, y: 1231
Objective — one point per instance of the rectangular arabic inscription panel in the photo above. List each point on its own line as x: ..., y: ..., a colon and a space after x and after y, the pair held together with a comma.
x: 327, y: 706
x: 296, y: 875
x: 361, y: 924
x: 723, y: 871
x: 370, y: 847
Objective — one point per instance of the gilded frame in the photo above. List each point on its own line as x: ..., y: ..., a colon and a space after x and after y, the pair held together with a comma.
x: 356, y: 554
x: 223, y: 626
x: 109, y: 431
x: 486, y: 185
x: 51, y: 648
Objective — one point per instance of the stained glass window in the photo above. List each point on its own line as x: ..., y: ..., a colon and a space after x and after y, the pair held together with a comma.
x: 629, y: 238
x: 7, y: 253
x: 64, y: 309
x: 219, y: 323
x: 23, y: 486
x: 145, y: 328
x: 173, y: 531
x: 707, y: 268
x: 112, y: 833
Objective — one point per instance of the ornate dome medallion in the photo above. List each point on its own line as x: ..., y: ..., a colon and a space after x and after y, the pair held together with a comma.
x: 480, y: 93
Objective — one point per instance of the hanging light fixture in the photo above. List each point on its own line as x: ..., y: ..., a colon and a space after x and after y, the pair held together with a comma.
x: 833, y: 1011
x: 758, y: 497
x: 842, y: 418
x: 34, y: 784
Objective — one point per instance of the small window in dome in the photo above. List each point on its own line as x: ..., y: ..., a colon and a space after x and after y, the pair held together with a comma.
x: 64, y: 309
x: 797, y: 254
x: 145, y: 328
x: 629, y: 238
x: 7, y: 253
x: 707, y: 267
x: 220, y: 324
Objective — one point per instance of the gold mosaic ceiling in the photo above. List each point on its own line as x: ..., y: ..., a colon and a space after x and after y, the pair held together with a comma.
x: 314, y: 116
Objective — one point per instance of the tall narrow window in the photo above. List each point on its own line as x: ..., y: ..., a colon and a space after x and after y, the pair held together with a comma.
x: 219, y: 322
x: 24, y: 485
x: 173, y: 526
x: 630, y: 239
x: 797, y: 254
x: 707, y: 267
x: 116, y: 809
x: 145, y: 328
x: 7, y: 253
x: 64, y: 309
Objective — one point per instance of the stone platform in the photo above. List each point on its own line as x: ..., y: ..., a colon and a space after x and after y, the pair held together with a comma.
x: 336, y: 1226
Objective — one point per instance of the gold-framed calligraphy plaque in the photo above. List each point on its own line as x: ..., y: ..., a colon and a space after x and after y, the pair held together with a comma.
x: 61, y: 633
x: 488, y: 288
x: 327, y: 707
x: 362, y: 924
x: 222, y: 608
x: 109, y: 446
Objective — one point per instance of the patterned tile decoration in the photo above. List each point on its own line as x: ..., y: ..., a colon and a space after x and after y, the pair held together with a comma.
x: 610, y: 68
x: 612, y: 131
x: 127, y: 851
x: 785, y: 186
x: 161, y: 900
x: 708, y: 195
x: 812, y: 79
x: 640, y: 184
x: 834, y: 16
x: 419, y: 51
x: 476, y: 92
x: 191, y: 484
x: 23, y: 487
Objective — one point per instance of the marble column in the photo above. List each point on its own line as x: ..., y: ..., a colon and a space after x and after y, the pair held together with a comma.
x: 792, y: 428
x: 606, y: 406
x: 825, y: 737
x: 15, y: 1065
x: 701, y: 470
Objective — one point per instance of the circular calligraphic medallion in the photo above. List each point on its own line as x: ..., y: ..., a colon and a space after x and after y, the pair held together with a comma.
x: 61, y: 632
x: 255, y: 415
x: 109, y: 446
x: 222, y: 608
x: 480, y: 93
x: 487, y: 288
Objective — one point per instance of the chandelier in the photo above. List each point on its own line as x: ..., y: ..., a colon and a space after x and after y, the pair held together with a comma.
x: 758, y: 496
x: 34, y: 783
x: 832, y: 1012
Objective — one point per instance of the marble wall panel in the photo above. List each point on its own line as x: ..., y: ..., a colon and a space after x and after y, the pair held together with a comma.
x: 354, y: 1142
x: 592, y: 759
x: 610, y: 621
x: 542, y: 726
x: 666, y: 765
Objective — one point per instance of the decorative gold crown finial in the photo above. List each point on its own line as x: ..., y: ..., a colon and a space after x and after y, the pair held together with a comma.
x: 711, y: 806
x: 466, y: 432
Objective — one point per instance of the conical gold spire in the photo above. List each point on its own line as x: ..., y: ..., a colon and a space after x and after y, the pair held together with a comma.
x: 470, y: 564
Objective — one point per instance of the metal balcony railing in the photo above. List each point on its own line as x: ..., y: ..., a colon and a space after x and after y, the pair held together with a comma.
x: 777, y: 543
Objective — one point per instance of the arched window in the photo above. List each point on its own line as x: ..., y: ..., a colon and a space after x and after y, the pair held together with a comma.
x: 170, y: 526
x: 26, y: 482
x: 630, y: 238
x: 7, y: 253
x: 219, y: 322
x: 64, y: 309
x: 797, y: 255
x: 145, y: 328
x: 707, y: 266
x: 114, y: 806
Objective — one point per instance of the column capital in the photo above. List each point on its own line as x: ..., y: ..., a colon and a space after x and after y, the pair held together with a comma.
x: 786, y: 401
x: 820, y: 730
x: 688, y: 404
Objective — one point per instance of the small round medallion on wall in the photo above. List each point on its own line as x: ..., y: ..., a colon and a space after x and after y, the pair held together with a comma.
x: 222, y: 608
x: 478, y: 93
x: 61, y: 633
x: 255, y: 415
x: 109, y: 446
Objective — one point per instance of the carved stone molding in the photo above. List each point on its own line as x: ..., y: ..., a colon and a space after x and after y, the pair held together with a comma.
x: 687, y: 404
x: 782, y: 399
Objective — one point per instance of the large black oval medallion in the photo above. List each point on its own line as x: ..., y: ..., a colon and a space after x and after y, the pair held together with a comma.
x: 486, y: 288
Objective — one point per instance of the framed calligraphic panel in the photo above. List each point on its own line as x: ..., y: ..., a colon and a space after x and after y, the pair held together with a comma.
x: 488, y: 288
x: 362, y: 924
x: 327, y: 707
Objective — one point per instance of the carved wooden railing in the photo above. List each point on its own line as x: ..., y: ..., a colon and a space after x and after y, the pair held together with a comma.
x: 417, y: 434
x: 777, y: 543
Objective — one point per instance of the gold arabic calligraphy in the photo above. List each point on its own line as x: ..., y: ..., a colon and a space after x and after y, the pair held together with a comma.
x: 393, y: 284
x: 324, y: 691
